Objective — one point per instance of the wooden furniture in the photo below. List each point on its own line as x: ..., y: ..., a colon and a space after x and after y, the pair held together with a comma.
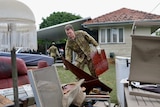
x: 90, y: 81
x: 25, y: 95
x: 140, y: 101
x: 5, y: 101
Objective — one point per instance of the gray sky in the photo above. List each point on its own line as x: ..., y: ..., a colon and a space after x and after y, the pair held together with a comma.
x: 88, y: 8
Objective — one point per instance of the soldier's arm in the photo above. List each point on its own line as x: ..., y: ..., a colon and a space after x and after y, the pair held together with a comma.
x: 68, y: 53
x: 90, y: 39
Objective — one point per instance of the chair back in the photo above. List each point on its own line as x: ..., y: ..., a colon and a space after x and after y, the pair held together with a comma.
x: 46, y: 87
x: 145, y: 59
x: 48, y: 91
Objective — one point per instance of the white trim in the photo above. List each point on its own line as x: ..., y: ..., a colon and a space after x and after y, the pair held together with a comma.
x: 111, y: 32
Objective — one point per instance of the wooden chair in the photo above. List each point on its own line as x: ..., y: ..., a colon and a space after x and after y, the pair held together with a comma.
x: 90, y: 81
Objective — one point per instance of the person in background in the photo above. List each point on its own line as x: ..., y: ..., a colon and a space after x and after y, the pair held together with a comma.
x: 79, y: 42
x: 61, y: 51
x: 53, y: 51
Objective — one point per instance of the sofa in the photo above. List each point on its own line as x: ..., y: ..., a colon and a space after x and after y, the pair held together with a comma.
x: 6, y: 72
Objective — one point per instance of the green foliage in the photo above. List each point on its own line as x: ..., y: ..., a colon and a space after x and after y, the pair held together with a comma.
x: 158, y: 33
x: 62, y: 41
x: 41, y: 45
x: 57, y: 18
x: 43, y: 42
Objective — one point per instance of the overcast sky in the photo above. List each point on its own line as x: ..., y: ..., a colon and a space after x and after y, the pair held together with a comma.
x: 88, y: 8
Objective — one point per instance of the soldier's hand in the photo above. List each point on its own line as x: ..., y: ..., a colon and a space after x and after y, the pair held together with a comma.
x: 98, y: 49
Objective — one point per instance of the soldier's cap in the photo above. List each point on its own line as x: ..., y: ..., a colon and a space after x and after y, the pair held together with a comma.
x: 68, y: 26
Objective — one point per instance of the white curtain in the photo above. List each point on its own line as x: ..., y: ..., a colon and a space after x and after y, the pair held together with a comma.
x: 17, y: 35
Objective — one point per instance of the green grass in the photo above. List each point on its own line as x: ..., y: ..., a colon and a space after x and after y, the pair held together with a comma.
x: 108, y: 78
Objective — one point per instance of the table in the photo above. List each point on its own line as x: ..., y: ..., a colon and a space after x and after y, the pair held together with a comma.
x: 24, y: 91
x: 139, y: 101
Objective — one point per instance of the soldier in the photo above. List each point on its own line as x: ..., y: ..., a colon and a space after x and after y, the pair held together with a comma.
x: 53, y: 51
x: 79, y: 42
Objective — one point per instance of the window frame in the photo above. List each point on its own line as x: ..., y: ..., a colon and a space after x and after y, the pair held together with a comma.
x: 114, y: 35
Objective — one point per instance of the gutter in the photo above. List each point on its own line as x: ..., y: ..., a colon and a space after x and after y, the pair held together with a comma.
x: 107, y: 24
x: 137, y: 22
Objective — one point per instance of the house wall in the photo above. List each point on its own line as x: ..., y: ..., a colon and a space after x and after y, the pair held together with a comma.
x: 124, y: 49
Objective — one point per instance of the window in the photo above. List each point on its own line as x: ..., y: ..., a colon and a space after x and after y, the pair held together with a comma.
x: 121, y: 35
x: 111, y: 35
x: 108, y: 35
x: 103, y: 35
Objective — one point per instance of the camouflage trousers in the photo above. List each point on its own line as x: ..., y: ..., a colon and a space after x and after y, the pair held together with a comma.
x: 81, y: 65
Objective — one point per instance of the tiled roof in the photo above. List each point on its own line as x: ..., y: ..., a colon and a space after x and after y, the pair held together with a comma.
x: 123, y: 15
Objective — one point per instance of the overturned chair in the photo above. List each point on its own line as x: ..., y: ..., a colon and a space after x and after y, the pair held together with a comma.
x: 91, y: 83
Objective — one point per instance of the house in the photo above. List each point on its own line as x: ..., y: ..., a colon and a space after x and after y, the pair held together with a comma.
x: 113, y: 29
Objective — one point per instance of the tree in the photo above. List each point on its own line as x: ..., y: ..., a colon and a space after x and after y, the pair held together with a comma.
x: 57, y: 18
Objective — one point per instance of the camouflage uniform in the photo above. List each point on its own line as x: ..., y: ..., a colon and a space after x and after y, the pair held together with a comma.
x: 80, y: 45
x: 53, y: 50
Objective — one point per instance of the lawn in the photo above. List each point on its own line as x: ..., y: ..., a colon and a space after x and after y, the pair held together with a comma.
x: 108, y: 78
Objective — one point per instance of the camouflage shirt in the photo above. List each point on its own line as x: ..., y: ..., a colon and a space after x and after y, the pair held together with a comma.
x: 53, y: 50
x: 80, y: 45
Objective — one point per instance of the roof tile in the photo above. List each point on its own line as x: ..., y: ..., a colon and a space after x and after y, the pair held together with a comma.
x: 123, y: 14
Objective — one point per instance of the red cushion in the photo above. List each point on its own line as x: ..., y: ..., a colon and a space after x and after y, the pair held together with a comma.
x: 42, y: 64
x: 6, y: 68
x: 7, y: 83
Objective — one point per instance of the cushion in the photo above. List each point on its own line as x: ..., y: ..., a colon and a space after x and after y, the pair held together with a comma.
x: 7, y: 83
x: 6, y: 68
